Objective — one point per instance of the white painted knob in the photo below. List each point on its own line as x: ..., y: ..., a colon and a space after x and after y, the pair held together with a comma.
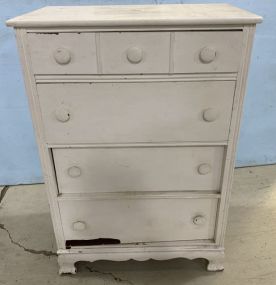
x: 62, y: 115
x: 199, y: 220
x: 210, y: 115
x: 134, y: 54
x: 204, y: 168
x: 62, y: 56
x: 74, y: 171
x: 79, y: 226
x: 207, y: 55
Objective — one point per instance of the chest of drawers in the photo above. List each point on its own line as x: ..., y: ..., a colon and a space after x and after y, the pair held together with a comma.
x: 136, y: 111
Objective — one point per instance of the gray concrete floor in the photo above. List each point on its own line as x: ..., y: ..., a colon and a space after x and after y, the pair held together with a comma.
x: 27, y: 243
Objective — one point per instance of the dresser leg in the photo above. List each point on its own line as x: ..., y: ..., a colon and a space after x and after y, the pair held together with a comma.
x: 215, y: 264
x: 66, y: 265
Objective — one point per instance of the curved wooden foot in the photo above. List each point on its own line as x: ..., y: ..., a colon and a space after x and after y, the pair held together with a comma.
x: 67, y: 260
x: 215, y: 265
x: 66, y: 266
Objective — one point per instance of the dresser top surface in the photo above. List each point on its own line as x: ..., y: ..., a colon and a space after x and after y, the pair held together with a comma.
x: 135, y: 15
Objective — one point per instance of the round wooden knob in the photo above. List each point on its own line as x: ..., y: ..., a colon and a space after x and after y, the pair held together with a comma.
x: 210, y: 115
x: 204, y: 168
x: 199, y: 220
x: 79, y: 226
x: 62, y: 56
x: 134, y: 54
x: 74, y: 171
x: 62, y: 115
x: 207, y: 55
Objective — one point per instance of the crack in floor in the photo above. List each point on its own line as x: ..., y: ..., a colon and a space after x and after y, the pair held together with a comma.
x: 33, y: 251
x: 114, y: 277
x: 4, y: 192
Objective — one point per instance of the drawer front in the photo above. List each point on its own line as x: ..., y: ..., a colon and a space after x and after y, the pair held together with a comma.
x: 63, y: 53
x: 131, y: 53
x: 139, y: 220
x: 217, y: 51
x: 82, y: 170
x: 136, y: 112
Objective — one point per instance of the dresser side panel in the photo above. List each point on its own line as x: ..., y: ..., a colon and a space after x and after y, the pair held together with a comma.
x: 240, y: 91
x: 44, y: 152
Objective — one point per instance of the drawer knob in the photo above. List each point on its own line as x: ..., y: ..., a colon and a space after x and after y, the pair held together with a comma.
x: 199, y: 220
x: 204, y: 168
x: 62, y: 56
x: 207, y: 55
x: 134, y: 54
x: 210, y: 115
x: 62, y: 115
x: 74, y: 171
x: 79, y: 226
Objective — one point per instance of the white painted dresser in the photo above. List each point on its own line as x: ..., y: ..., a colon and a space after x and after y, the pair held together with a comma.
x: 136, y: 111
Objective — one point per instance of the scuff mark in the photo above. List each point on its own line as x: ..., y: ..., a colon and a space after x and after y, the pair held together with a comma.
x: 33, y: 251
x: 114, y: 277
x: 263, y: 187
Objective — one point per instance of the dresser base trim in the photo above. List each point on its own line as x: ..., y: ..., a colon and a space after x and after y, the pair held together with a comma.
x: 67, y: 260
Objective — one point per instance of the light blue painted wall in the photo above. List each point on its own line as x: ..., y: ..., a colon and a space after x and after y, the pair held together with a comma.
x: 19, y: 162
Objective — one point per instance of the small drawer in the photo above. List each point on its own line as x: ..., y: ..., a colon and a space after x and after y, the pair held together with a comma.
x: 90, y: 170
x: 135, y: 52
x: 63, y: 53
x: 218, y: 51
x: 139, y: 219
x: 127, y: 112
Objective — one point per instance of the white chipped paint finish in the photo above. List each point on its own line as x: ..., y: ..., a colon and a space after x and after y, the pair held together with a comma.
x: 90, y: 170
x: 125, y: 15
x: 140, y: 219
x: 136, y: 111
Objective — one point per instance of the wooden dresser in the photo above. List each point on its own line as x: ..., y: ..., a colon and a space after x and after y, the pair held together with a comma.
x: 136, y: 111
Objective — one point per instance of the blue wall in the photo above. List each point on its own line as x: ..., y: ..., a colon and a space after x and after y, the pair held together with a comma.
x: 19, y: 162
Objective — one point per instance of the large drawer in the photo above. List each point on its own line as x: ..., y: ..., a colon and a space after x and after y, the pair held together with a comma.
x: 139, y: 220
x: 136, y: 112
x: 206, y: 51
x: 82, y: 170
x: 63, y: 53
x: 135, y: 52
